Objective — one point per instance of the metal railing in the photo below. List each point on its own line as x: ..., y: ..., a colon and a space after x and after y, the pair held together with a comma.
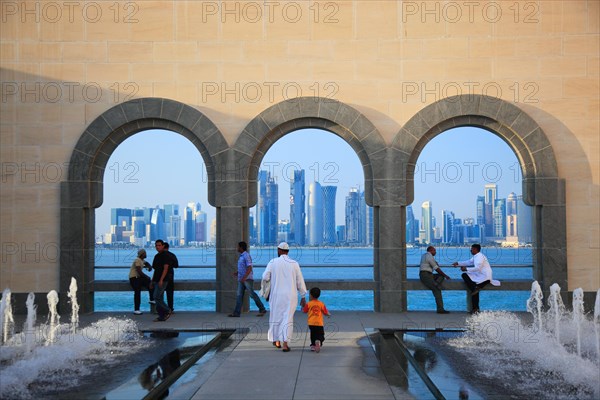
x: 325, y: 284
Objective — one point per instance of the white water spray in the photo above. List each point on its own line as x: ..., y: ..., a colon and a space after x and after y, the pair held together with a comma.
x: 2, y: 307
x: 74, y: 305
x: 534, y: 305
x: 557, y: 309
x: 578, y: 315
x: 54, y: 317
x: 29, y: 328
x: 8, y: 321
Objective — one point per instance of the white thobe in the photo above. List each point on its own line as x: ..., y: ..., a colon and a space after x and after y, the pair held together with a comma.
x: 479, y: 269
x: 286, y: 282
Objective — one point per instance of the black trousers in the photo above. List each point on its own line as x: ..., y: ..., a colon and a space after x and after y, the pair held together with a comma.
x: 137, y: 284
x: 316, y: 333
x: 170, y: 289
x: 472, y: 285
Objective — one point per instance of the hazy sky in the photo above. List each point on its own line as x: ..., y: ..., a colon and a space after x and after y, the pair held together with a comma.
x: 159, y: 167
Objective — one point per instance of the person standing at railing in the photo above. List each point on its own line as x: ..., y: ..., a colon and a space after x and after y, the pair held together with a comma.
x: 171, y: 288
x: 477, y: 274
x: 162, y: 265
x: 433, y: 281
x: 139, y: 280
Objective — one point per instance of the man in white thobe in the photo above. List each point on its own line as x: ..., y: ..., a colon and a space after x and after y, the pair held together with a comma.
x: 286, y: 283
x: 477, y: 274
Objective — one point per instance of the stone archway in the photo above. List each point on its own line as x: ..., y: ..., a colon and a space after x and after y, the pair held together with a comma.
x: 239, y: 168
x: 83, y: 191
x: 542, y: 187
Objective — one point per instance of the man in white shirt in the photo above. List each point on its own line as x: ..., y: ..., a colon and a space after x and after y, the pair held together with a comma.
x: 286, y: 283
x: 478, y: 273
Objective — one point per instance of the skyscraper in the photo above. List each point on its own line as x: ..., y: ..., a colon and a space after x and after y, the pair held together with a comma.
x: 369, y: 226
x: 500, y: 218
x: 200, y: 226
x: 511, y: 204
x: 297, y: 209
x: 329, y: 235
x: 267, y: 209
x: 189, y: 227
x: 362, y: 219
x: 172, y: 224
x: 157, y: 224
x: 427, y: 221
x: 315, y: 214
x: 120, y: 216
x: 410, y: 225
x: 353, y: 216
x: 481, y: 215
x: 447, y: 226
x: 490, y: 192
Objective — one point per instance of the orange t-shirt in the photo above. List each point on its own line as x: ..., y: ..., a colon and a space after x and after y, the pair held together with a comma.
x: 315, y: 310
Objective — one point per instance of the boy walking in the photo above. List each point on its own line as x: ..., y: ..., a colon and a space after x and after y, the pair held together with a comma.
x: 316, y: 309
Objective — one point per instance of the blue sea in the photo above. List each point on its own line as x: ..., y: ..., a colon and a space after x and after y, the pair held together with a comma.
x: 320, y: 263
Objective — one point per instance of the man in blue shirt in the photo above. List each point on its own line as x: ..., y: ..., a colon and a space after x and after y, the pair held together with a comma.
x: 246, y: 282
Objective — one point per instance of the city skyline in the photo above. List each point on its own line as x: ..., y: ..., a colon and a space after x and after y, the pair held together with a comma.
x: 452, y: 166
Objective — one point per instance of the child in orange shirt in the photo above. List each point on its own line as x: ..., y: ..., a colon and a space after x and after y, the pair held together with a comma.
x: 316, y: 309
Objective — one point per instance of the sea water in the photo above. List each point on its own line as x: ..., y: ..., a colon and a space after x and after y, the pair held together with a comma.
x: 319, y: 263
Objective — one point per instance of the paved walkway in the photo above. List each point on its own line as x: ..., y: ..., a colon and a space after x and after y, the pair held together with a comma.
x: 346, y: 368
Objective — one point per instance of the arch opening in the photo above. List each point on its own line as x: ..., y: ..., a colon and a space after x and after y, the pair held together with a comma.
x: 155, y: 187
x: 320, y: 210
x: 468, y: 189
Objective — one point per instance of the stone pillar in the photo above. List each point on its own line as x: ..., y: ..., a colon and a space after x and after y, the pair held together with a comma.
x: 550, y: 257
x: 232, y: 227
x: 77, y: 243
x: 231, y: 203
x: 390, y: 255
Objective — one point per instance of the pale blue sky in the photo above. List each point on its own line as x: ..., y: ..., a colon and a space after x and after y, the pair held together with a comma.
x: 451, y: 171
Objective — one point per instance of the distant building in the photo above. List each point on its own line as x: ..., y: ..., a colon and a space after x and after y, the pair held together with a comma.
x: 448, y: 227
x: 500, y: 218
x: 427, y: 222
x: 410, y: 225
x: 283, y: 230
x: 353, y: 217
x: 297, y: 209
x: 315, y: 214
x: 340, y: 232
x: 490, y: 192
x: 267, y: 209
x: 329, y: 234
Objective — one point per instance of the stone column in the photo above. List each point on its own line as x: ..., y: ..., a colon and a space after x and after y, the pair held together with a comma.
x: 231, y: 203
x: 232, y: 227
x: 390, y: 256
x: 77, y: 243
x: 550, y: 257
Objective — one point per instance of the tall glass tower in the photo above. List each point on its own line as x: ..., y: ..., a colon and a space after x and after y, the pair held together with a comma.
x: 500, y: 218
x: 410, y: 225
x: 268, y: 211
x: 353, y: 217
x: 427, y: 221
x: 490, y: 192
x: 329, y: 235
x: 297, y: 209
x: 315, y: 214
x: 447, y: 226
